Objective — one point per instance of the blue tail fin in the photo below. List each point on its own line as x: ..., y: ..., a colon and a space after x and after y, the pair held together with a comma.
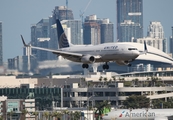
x: 62, y: 38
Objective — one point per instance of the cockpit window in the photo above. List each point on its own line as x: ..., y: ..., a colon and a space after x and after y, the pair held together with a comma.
x: 132, y: 49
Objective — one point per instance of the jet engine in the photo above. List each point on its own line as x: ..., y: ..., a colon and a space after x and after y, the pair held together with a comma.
x: 88, y: 59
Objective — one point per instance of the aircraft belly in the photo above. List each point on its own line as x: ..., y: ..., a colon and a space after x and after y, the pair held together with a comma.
x: 114, y: 57
x: 74, y: 59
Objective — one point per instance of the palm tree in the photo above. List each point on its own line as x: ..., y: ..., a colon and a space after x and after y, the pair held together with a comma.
x: 24, y: 112
x: 46, y: 115
x: 137, y: 81
x: 110, y: 80
x: 101, y: 78
x: 65, y: 112
x: 51, y: 115
x: 10, y: 114
x: 105, y: 80
x: 100, y: 107
x: 114, y: 79
x: 36, y: 115
x: 77, y: 115
x: 57, y: 115
x: 1, y: 117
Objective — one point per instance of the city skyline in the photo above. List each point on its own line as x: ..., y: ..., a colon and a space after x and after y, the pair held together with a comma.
x: 17, y: 18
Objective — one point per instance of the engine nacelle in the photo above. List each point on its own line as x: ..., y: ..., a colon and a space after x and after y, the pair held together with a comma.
x: 121, y: 63
x: 88, y: 59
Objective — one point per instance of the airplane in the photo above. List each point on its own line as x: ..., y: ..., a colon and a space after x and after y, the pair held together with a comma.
x: 139, y: 114
x: 119, y: 52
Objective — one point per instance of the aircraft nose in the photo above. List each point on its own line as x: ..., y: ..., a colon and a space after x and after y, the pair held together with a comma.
x: 136, y: 53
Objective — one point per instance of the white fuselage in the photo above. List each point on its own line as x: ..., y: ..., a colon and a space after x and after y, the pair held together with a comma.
x: 107, y: 51
x: 138, y: 114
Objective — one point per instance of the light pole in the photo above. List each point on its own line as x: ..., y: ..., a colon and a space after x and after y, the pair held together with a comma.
x: 88, y: 105
x: 146, y: 113
x: 130, y: 113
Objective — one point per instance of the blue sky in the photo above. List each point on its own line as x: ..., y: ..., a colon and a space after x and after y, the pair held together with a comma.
x: 17, y: 17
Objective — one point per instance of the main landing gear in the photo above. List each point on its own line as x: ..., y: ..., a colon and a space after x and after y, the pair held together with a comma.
x: 106, y: 66
x: 129, y: 65
x: 85, y: 66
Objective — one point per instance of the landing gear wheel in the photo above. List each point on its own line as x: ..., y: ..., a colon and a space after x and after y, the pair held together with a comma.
x: 129, y: 65
x: 105, y: 66
x: 85, y: 65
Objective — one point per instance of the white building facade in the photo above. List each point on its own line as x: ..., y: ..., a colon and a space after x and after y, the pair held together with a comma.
x: 155, y: 37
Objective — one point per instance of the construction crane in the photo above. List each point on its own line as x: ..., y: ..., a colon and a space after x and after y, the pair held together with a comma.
x: 82, y: 13
x: 66, y: 8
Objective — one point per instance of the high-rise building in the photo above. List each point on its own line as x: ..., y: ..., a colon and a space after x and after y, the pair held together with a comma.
x: 107, y: 31
x: 62, y: 13
x: 43, y: 55
x: 155, y: 37
x: 97, y: 31
x: 40, y: 30
x: 1, y: 52
x: 129, y: 20
x: 91, y: 32
x: 171, y: 43
x: 53, y: 43
x: 155, y: 30
x: 75, y: 30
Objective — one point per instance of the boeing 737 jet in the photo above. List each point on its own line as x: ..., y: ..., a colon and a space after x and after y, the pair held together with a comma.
x: 119, y: 52
x: 140, y: 114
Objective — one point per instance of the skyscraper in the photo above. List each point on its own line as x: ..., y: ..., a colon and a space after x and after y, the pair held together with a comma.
x: 40, y: 30
x: 75, y: 30
x: 155, y: 37
x: 62, y: 13
x: 155, y: 30
x: 91, y: 32
x: 171, y: 43
x: 97, y: 31
x: 129, y: 20
x: 107, y: 31
x: 1, y: 54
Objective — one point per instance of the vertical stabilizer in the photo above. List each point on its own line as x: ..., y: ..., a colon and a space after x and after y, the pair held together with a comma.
x: 62, y: 38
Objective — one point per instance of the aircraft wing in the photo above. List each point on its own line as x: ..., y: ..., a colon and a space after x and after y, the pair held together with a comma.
x: 59, y: 52
x: 64, y: 53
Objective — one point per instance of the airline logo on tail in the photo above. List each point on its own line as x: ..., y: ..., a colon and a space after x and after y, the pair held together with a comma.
x: 62, y: 38
x: 63, y: 42
x: 121, y: 114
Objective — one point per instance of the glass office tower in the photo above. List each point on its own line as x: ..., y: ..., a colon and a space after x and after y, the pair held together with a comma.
x: 129, y: 19
x: 1, y: 55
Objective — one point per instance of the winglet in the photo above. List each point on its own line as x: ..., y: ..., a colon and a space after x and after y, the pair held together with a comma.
x: 145, y: 47
x: 23, y: 41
